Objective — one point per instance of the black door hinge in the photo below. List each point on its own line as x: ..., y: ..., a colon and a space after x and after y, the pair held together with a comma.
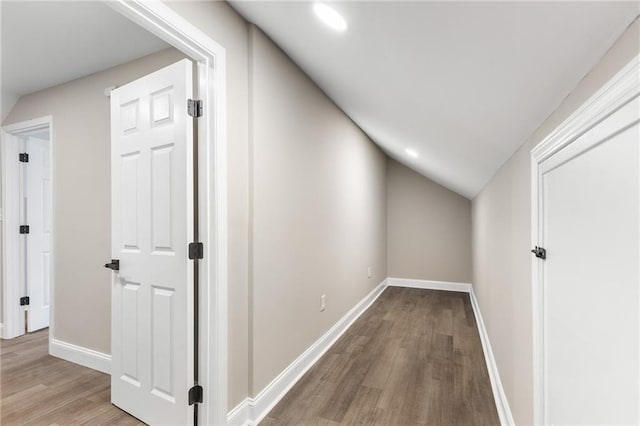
x: 540, y: 253
x: 194, y: 108
x: 196, y: 251
x: 24, y: 301
x: 24, y: 229
x: 23, y: 157
x: 195, y: 395
x: 114, y: 265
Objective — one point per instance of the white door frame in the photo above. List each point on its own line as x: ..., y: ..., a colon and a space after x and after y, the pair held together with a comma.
x: 166, y: 24
x: 13, y: 325
x: 622, y: 88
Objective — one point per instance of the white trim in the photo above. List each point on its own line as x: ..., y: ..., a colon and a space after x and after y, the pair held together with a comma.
x: 502, y: 405
x: 80, y: 355
x: 165, y: 23
x: 253, y: 410
x: 618, y: 91
x: 624, y: 86
x: 429, y: 285
x: 241, y: 414
x: 13, y: 317
x: 10, y: 241
x: 276, y: 390
x: 29, y: 125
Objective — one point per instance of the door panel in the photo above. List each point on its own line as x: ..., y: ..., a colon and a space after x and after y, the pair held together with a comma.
x: 152, y: 224
x: 12, y: 218
x: 39, y: 217
x: 590, y: 208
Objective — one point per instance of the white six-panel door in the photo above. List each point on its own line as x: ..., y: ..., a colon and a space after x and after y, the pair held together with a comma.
x: 38, y: 217
x: 152, y: 225
x: 590, y: 210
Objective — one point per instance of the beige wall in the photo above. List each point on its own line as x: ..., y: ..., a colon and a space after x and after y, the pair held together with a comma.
x: 263, y: 284
x: 318, y: 212
x: 220, y: 22
x: 82, y: 194
x: 428, y: 228
x: 502, y: 240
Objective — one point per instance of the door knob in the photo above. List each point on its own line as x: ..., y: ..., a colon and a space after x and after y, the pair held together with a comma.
x: 115, y: 265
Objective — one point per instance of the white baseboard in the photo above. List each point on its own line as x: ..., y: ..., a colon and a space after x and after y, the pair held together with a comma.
x: 502, y: 405
x: 79, y: 355
x: 429, y: 285
x: 241, y: 414
x: 253, y: 410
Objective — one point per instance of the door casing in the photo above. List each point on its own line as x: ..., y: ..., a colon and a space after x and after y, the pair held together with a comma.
x: 210, y: 59
x: 13, y: 324
x: 210, y: 87
x: 622, y: 88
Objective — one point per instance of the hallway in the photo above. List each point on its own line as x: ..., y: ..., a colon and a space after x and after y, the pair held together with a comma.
x: 38, y: 389
x: 413, y: 358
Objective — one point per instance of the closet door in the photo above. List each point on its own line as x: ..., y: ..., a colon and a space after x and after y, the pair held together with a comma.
x: 39, y: 217
x: 589, y: 206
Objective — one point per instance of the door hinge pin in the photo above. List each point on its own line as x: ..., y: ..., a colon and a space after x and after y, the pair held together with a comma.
x: 195, y: 395
x: 194, y: 108
x: 23, y: 157
x: 196, y: 251
x: 24, y: 229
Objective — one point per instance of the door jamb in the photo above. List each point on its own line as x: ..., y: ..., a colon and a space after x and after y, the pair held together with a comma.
x: 13, y: 325
x: 619, y: 90
x: 169, y: 26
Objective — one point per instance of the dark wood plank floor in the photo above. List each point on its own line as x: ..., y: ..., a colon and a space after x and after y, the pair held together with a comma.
x: 413, y: 358
x: 38, y: 389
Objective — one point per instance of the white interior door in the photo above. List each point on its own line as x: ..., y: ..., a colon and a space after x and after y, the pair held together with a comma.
x: 590, y: 210
x: 13, y: 260
x: 152, y: 224
x: 38, y: 242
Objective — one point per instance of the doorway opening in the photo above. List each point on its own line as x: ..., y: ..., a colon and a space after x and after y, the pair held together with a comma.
x: 27, y: 231
x: 81, y: 331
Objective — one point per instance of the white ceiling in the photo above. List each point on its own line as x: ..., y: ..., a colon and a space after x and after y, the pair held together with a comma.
x: 462, y: 83
x: 48, y: 43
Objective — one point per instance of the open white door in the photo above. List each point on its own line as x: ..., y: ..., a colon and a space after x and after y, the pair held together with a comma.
x: 13, y: 241
x: 152, y: 225
x: 39, y: 216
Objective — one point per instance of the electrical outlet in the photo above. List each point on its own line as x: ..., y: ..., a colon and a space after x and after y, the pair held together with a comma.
x: 369, y: 272
x: 323, y: 302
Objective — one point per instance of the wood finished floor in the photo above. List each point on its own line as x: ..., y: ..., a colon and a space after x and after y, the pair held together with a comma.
x: 38, y: 389
x: 413, y: 358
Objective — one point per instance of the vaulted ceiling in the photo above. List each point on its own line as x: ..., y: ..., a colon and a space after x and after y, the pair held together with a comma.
x: 463, y: 84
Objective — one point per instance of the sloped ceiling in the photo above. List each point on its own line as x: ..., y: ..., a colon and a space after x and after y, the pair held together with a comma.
x: 461, y: 83
x: 48, y: 43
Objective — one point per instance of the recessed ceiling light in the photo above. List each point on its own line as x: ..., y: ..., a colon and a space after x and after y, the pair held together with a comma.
x: 411, y: 153
x: 330, y: 17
